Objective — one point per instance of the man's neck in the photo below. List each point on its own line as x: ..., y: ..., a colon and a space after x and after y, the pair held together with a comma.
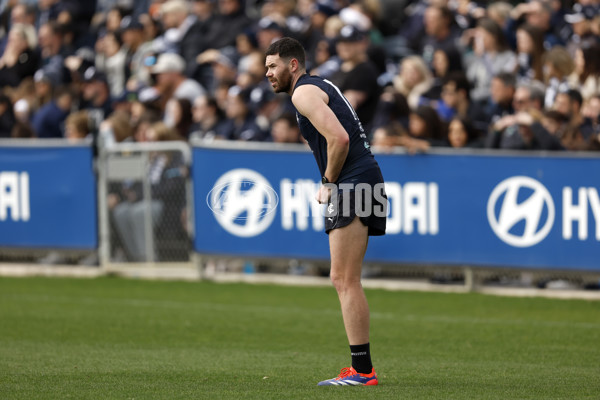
x: 295, y: 80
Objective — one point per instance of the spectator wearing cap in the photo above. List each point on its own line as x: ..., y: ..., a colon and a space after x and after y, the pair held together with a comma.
x: 581, y: 18
x: 184, y: 31
x: 268, y: 31
x: 357, y: 77
x: 48, y: 120
x: 241, y: 121
x: 364, y: 15
x: 136, y: 51
x: 171, y: 81
x: 96, y: 96
x: 19, y: 59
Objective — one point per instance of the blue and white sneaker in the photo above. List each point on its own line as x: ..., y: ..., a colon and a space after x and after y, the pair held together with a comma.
x: 349, y: 377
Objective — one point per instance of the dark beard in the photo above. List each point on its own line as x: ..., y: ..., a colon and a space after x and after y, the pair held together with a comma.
x: 284, y: 83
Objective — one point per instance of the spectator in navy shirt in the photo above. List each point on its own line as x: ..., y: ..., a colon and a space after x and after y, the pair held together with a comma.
x: 48, y: 121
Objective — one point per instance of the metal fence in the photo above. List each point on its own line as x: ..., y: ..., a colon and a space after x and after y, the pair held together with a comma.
x: 144, y: 202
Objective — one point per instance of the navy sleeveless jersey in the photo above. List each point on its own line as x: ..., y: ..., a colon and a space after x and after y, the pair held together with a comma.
x: 360, y: 165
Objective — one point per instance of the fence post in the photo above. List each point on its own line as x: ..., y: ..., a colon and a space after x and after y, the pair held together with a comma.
x: 103, y: 217
x: 148, y: 223
x: 469, y: 279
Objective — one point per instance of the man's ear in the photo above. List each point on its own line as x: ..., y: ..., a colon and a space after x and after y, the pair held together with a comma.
x: 294, y: 65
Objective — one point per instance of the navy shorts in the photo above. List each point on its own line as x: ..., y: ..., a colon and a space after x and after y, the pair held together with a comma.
x: 370, y: 209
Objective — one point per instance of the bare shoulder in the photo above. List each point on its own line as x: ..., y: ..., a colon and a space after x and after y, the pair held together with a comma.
x: 307, y: 98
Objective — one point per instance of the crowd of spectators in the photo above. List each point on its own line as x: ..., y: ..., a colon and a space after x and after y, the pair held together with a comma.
x: 421, y: 73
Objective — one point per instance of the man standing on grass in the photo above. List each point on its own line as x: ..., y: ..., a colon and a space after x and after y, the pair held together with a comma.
x: 332, y: 129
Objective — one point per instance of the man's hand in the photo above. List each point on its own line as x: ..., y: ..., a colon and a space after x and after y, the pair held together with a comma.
x: 323, y: 195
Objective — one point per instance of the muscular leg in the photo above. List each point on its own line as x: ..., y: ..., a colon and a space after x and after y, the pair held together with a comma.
x: 348, y: 246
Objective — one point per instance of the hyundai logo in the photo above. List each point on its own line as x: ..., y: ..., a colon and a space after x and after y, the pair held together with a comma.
x: 243, y: 202
x: 520, y: 211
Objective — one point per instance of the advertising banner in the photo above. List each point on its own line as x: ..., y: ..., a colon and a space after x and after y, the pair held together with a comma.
x: 500, y: 210
x: 47, y: 197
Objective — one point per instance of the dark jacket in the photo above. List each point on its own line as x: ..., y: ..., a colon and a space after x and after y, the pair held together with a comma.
x: 26, y: 66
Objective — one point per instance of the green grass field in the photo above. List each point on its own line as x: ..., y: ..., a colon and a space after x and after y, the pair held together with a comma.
x: 115, y: 338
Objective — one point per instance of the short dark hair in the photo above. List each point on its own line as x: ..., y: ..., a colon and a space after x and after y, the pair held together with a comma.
x: 460, y: 81
x: 288, y: 48
x: 289, y: 118
x: 507, y: 78
x: 575, y: 95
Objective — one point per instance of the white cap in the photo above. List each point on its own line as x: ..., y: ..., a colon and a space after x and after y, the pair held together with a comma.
x: 169, y: 62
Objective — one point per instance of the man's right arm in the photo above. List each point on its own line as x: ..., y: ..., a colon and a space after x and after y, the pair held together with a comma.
x: 311, y: 102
